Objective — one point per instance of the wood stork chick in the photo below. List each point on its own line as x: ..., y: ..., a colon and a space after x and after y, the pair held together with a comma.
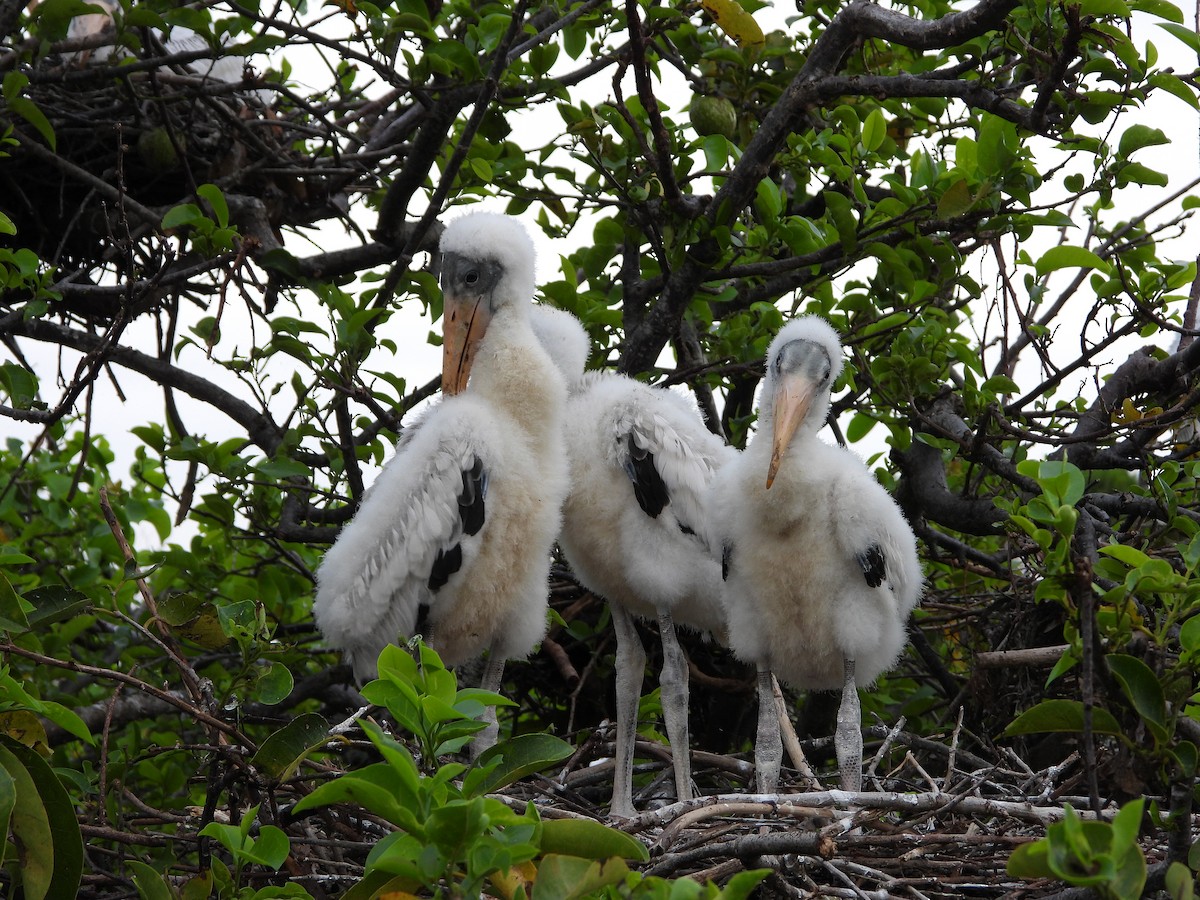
x: 641, y: 463
x: 821, y: 566
x: 212, y: 64
x: 457, y: 530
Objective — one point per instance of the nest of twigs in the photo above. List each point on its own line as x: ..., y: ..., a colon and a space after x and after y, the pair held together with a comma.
x: 134, y: 137
x: 939, y: 825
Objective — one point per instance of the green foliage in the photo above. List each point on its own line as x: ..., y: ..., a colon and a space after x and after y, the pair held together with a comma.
x: 1104, y: 856
x: 424, y: 699
x: 211, y: 234
x: 36, y: 813
x: 985, y: 223
x: 449, y: 831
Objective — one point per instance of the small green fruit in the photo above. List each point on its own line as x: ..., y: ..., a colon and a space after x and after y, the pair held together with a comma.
x: 713, y: 115
x: 157, y: 150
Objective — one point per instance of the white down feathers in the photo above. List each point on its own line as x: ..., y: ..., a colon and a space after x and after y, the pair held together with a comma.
x: 375, y: 578
x: 646, y: 564
x: 796, y: 598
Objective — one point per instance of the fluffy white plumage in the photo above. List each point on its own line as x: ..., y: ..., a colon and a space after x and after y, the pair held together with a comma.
x: 641, y: 463
x: 226, y: 68
x: 483, y: 476
x: 822, y: 565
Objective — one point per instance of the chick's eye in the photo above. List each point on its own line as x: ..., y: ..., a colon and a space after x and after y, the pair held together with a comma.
x: 471, y: 277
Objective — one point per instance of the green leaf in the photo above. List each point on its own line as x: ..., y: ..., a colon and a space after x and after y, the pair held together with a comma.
x: 1068, y: 257
x: 1175, y: 86
x: 1162, y: 9
x: 66, y: 719
x: 1187, y: 757
x: 29, y: 111
x: 1030, y: 860
x: 517, y: 757
x: 179, y: 216
x: 568, y: 877
x: 591, y: 840
x: 741, y: 885
x: 148, y: 881
x: 1138, y: 136
x: 874, y: 130
x: 6, y: 225
x: 1185, y: 34
x: 280, y: 260
x: 860, y: 426
x: 732, y: 19
x: 53, y: 838
x: 1136, y: 173
x: 12, y: 612
x: 8, y: 802
x: 30, y: 829
x: 1061, y: 716
x: 1100, y: 8
x: 55, y: 603
x: 955, y: 200
x: 482, y: 169
x: 269, y: 849
x: 768, y: 200
x: 1000, y: 384
x: 283, y: 750
x: 216, y: 199
x: 1143, y: 689
x: 1127, y: 823
x: 1130, y: 556
x: 1180, y: 882
x: 1189, y: 635
x: 840, y: 211
x: 274, y: 684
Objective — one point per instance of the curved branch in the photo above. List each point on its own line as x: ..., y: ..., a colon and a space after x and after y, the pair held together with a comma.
x: 811, y: 86
x: 1141, y: 373
x: 260, y: 428
x: 923, y: 491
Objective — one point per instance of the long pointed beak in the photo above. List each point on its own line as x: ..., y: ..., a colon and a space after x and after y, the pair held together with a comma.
x: 465, y: 320
x: 793, y: 397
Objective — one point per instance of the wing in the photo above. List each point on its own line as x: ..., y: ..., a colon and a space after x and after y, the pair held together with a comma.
x: 871, y: 527
x: 661, y: 443
x: 418, y: 525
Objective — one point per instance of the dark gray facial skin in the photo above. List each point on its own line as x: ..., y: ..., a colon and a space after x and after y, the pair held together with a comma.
x: 806, y: 358
x: 465, y: 276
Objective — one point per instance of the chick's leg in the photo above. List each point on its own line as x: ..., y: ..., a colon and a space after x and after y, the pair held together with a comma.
x: 674, y: 683
x: 768, y: 745
x: 631, y: 667
x: 848, y: 741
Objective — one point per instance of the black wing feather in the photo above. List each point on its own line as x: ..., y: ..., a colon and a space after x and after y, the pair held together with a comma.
x: 648, y: 486
x: 873, y: 565
x: 471, y: 500
x: 471, y: 512
x: 447, y: 563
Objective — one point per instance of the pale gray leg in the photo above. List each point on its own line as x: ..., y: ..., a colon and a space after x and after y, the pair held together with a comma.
x: 848, y: 741
x: 631, y: 667
x: 493, y: 674
x: 768, y: 746
x: 673, y: 681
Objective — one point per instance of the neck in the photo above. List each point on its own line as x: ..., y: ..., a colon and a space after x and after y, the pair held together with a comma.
x: 515, y: 374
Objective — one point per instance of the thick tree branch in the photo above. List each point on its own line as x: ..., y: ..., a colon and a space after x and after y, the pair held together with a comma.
x: 260, y: 429
x: 924, y: 491
x: 810, y: 87
x: 1164, y: 380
